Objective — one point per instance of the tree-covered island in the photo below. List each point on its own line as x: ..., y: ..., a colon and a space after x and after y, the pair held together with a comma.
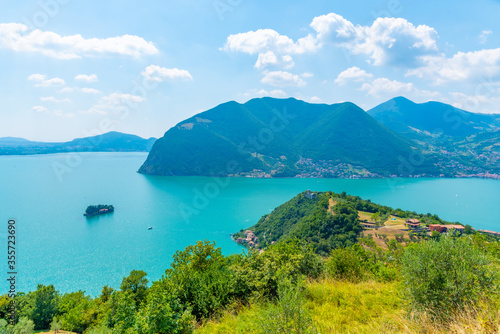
x: 96, y: 210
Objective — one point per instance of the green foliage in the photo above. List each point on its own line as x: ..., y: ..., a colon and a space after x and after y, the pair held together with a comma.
x: 163, y: 314
x: 345, y: 264
x: 94, y: 210
x: 137, y: 284
x: 289, y: 314
x: 45, y: 306
x: 24, y: 326
x: 201, y: 279
x: 257, y: 275
x: 446, y: 276
x: 78, y: 312
x: 121, y: 316
x: 55, y: 326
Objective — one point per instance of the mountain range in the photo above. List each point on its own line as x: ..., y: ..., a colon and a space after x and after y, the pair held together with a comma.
x: 270, y: 137
x: 107, y: 142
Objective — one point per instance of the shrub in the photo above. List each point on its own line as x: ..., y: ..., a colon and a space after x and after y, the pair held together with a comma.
x: 345, y: 264
x: 446, y: 276
x: 289, y: 314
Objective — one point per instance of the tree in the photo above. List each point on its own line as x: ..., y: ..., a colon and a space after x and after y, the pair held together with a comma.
x: 446, y: 276
x: 137, y: 284
x: 24, y: 326
x: 55, y: 326
x: 46, y: 306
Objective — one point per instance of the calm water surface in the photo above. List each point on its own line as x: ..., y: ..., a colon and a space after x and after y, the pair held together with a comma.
x: 47, y: 195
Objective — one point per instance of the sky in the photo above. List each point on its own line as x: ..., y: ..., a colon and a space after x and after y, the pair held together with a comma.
x: 71, y: 69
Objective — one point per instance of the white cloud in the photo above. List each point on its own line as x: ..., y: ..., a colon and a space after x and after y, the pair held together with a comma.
x: 42, y: 81
x: 307, y: 75
x: 86, y: 78
x: 353, y: 74
x: 56, y: 112
x: 483, y: 38
x: 282, y: 79
x: 273, y: 93
x: 160, y: 74
x: 18, y: 37
x: 53, y: 99
x: 315, y: 99
x: 269, y: 58
x: 86, y: 90
x: 388, y: 41
x: 66, y: 90
x: 383, y: 86
x: 462, y: 66
x: 115, y: 102
x: 263, y: 40
x: 37, y: 77
x: 478, y: 103
x: 40, y: 109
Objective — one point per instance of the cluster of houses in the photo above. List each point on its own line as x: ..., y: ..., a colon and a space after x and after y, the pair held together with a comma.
x: 416, y: 225
x: 250, y: 239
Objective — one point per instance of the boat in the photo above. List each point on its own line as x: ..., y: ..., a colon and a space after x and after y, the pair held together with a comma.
x: 150, y: 228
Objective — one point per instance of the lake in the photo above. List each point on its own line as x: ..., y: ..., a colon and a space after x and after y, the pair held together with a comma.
x: 48, y: 194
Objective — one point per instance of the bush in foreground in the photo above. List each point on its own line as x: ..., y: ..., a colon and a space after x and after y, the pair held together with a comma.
x: 443, y: 278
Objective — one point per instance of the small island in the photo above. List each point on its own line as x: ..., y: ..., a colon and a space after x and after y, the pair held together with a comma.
x: 96, y: 210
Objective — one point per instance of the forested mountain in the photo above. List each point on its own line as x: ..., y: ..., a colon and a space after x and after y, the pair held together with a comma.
x: 431, y: 118
x: 270, y: 137
x: 108, y: 142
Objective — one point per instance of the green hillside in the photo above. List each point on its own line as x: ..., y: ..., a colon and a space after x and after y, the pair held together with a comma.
x: 431, y: 118
x: 279, y: 137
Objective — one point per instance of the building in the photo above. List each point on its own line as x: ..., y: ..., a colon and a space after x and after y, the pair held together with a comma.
x: 497, y: 234
x: 368, y: 224
x: 310, y: 195
x: 412, y: 223
x: 446, y: 228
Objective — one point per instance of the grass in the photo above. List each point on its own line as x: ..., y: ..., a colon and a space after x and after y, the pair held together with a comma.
x: 335, y: 307
x: 366, y: 307
x: 365, y: 215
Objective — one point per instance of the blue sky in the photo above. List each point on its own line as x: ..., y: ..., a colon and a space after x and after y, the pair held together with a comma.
x: 77, y: 68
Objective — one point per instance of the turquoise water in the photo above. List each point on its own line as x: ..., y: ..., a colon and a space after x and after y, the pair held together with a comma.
x: 47, y: 195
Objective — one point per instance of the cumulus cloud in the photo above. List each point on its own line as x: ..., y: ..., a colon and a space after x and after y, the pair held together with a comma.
x: 282, y: 79
x: 18, y: 37
x: 86, y: 78
x: 307, y: 75
x: 388, y: 41
x: 42, y: 81
x: 384, y: 87
x: 273, y: 93
x: 462, y: 66
x: 353, y: 74
x: 115, y: 102
x: 315, y: 99
x: 269, y: 59
x: 160, y: 74
x: 264, y: 40
x: 478, y: 103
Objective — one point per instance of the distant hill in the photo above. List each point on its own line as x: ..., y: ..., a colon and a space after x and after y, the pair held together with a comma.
x: 108, y: 142
x: 416, y: 119
x: 270, y: 137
